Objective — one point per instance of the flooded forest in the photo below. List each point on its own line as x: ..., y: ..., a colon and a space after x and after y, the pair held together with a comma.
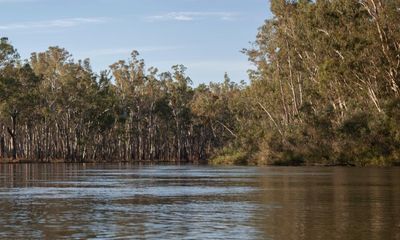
x: 325, y: 90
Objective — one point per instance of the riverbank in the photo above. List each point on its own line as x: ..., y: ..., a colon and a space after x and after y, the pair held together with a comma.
x: 233, y: 159
x: 240, y: 158
x: 61, y: 161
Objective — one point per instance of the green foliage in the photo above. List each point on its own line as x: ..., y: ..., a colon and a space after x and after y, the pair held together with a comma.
x: 54, y: 108
x: 325, y: 91
x: 228, y: 156
x: 326, y: 83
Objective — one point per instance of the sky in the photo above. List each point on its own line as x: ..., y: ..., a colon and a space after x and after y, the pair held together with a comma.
x: 204, y: 35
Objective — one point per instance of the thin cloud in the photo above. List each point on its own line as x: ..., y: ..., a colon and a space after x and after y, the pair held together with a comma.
x: 127, y: 51
x: 56, y: 23
x: 225, y: 65
x: 192, y: 16
x: 17, y: 1
x: 222, y: 65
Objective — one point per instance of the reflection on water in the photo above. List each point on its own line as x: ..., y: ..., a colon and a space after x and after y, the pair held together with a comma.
x: 188, y: 202
x: 338, y: 203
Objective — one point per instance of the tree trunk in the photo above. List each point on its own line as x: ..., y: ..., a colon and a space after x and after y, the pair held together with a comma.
x: 12, y: 133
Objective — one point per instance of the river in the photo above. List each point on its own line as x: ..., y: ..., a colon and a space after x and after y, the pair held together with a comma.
x: 85, y: 201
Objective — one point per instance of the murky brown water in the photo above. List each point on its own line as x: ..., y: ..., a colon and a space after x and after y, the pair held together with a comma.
x: 190, y: 202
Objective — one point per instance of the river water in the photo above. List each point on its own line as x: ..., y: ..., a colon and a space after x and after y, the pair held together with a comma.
x: 63, y: 201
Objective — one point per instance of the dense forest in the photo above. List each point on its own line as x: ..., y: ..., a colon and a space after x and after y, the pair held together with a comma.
x: 325, y: 90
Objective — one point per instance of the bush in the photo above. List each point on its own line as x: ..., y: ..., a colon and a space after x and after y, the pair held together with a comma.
x: 229, y: 156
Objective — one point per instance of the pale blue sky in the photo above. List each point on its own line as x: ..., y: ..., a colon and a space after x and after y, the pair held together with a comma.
x: 204, y: 35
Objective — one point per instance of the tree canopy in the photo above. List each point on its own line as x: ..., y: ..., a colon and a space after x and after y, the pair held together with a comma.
x: 326, y: 90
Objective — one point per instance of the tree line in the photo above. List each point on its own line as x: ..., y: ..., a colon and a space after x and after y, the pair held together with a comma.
x: 54, y: 108
x: 325, y: 90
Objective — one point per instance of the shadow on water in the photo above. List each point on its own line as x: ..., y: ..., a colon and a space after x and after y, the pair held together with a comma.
x: 332, y: 203
x: 75, y: 201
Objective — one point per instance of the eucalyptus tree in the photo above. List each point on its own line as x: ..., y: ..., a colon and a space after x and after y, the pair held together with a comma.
x: 325, y: 90
x: 68, y: 90
x: 319, y: 64
x: 18, y: 98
